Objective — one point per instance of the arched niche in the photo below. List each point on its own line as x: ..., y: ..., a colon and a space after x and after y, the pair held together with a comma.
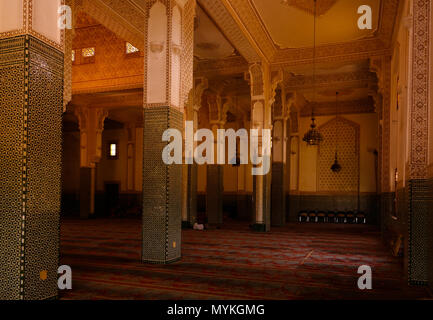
x: 347, y: 134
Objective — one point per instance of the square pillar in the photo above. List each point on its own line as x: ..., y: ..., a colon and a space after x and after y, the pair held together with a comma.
x: 162, y: 189
x: 31, y: 106
x: 420, y: 199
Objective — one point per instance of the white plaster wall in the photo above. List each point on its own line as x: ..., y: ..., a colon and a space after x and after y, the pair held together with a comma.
x: 157, y: 55
x: 45, y: 18
x: 11, y: 15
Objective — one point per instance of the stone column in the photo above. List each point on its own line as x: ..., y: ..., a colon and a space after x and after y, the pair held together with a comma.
x: 382, y: 67
x: 91, y: 123
x: 215, y: 185
x: 168, y: 80
x: 31, y: 95
x: 419, y: 187
x: 261, y: 119
x: 278, y: 197
x: 189, y: 205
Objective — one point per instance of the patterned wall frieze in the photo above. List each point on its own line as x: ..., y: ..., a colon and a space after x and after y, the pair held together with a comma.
x: 293, y: 82
x: 187, y: 55
x: 420, y: 89
x: 352, y: 51
x: 227, y: 66
x: 347, y: 107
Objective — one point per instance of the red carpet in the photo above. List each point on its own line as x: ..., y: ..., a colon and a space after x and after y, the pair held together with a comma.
x: 294, y: 262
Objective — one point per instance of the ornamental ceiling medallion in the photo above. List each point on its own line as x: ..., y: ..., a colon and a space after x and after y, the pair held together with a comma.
x: 308, y: 5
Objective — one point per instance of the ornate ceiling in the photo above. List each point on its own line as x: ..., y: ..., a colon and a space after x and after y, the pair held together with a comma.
x: 231, y: 34
x: 209, y: 42
x: 308, y: 5
x: 290, y: 23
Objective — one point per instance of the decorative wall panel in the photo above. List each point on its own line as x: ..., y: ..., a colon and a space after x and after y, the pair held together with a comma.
x: 420, y: 203
x: 113, y: 69
x: 347, y: 134
x: 31, y: 75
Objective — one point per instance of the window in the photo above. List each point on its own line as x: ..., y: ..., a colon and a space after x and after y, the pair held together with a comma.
x: 88, y: 52
x: 88, y: 55
x: 130, y: 48
x: 113, y: 151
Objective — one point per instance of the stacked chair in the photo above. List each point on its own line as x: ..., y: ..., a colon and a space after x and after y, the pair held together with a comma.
x: 341, y: 217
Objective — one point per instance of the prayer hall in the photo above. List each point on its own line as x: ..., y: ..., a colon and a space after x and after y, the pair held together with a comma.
x: 216, y: 149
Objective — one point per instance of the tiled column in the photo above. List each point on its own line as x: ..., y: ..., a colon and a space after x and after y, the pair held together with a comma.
x: 168, y: 81
x: 419, y: 189
x: 31, y: 106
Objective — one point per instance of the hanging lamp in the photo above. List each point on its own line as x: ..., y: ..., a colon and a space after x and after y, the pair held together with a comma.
x: 336, y: 167
x: 313, y: 137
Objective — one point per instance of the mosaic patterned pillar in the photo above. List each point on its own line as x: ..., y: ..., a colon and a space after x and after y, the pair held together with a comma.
x: 162, y: 186
x: 420, y: 200
x: 31, y: 105
x: 168, y: 80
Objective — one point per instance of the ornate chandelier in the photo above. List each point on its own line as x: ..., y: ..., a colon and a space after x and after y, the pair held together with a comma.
x: 313, y: 137
x: 336, y: 167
